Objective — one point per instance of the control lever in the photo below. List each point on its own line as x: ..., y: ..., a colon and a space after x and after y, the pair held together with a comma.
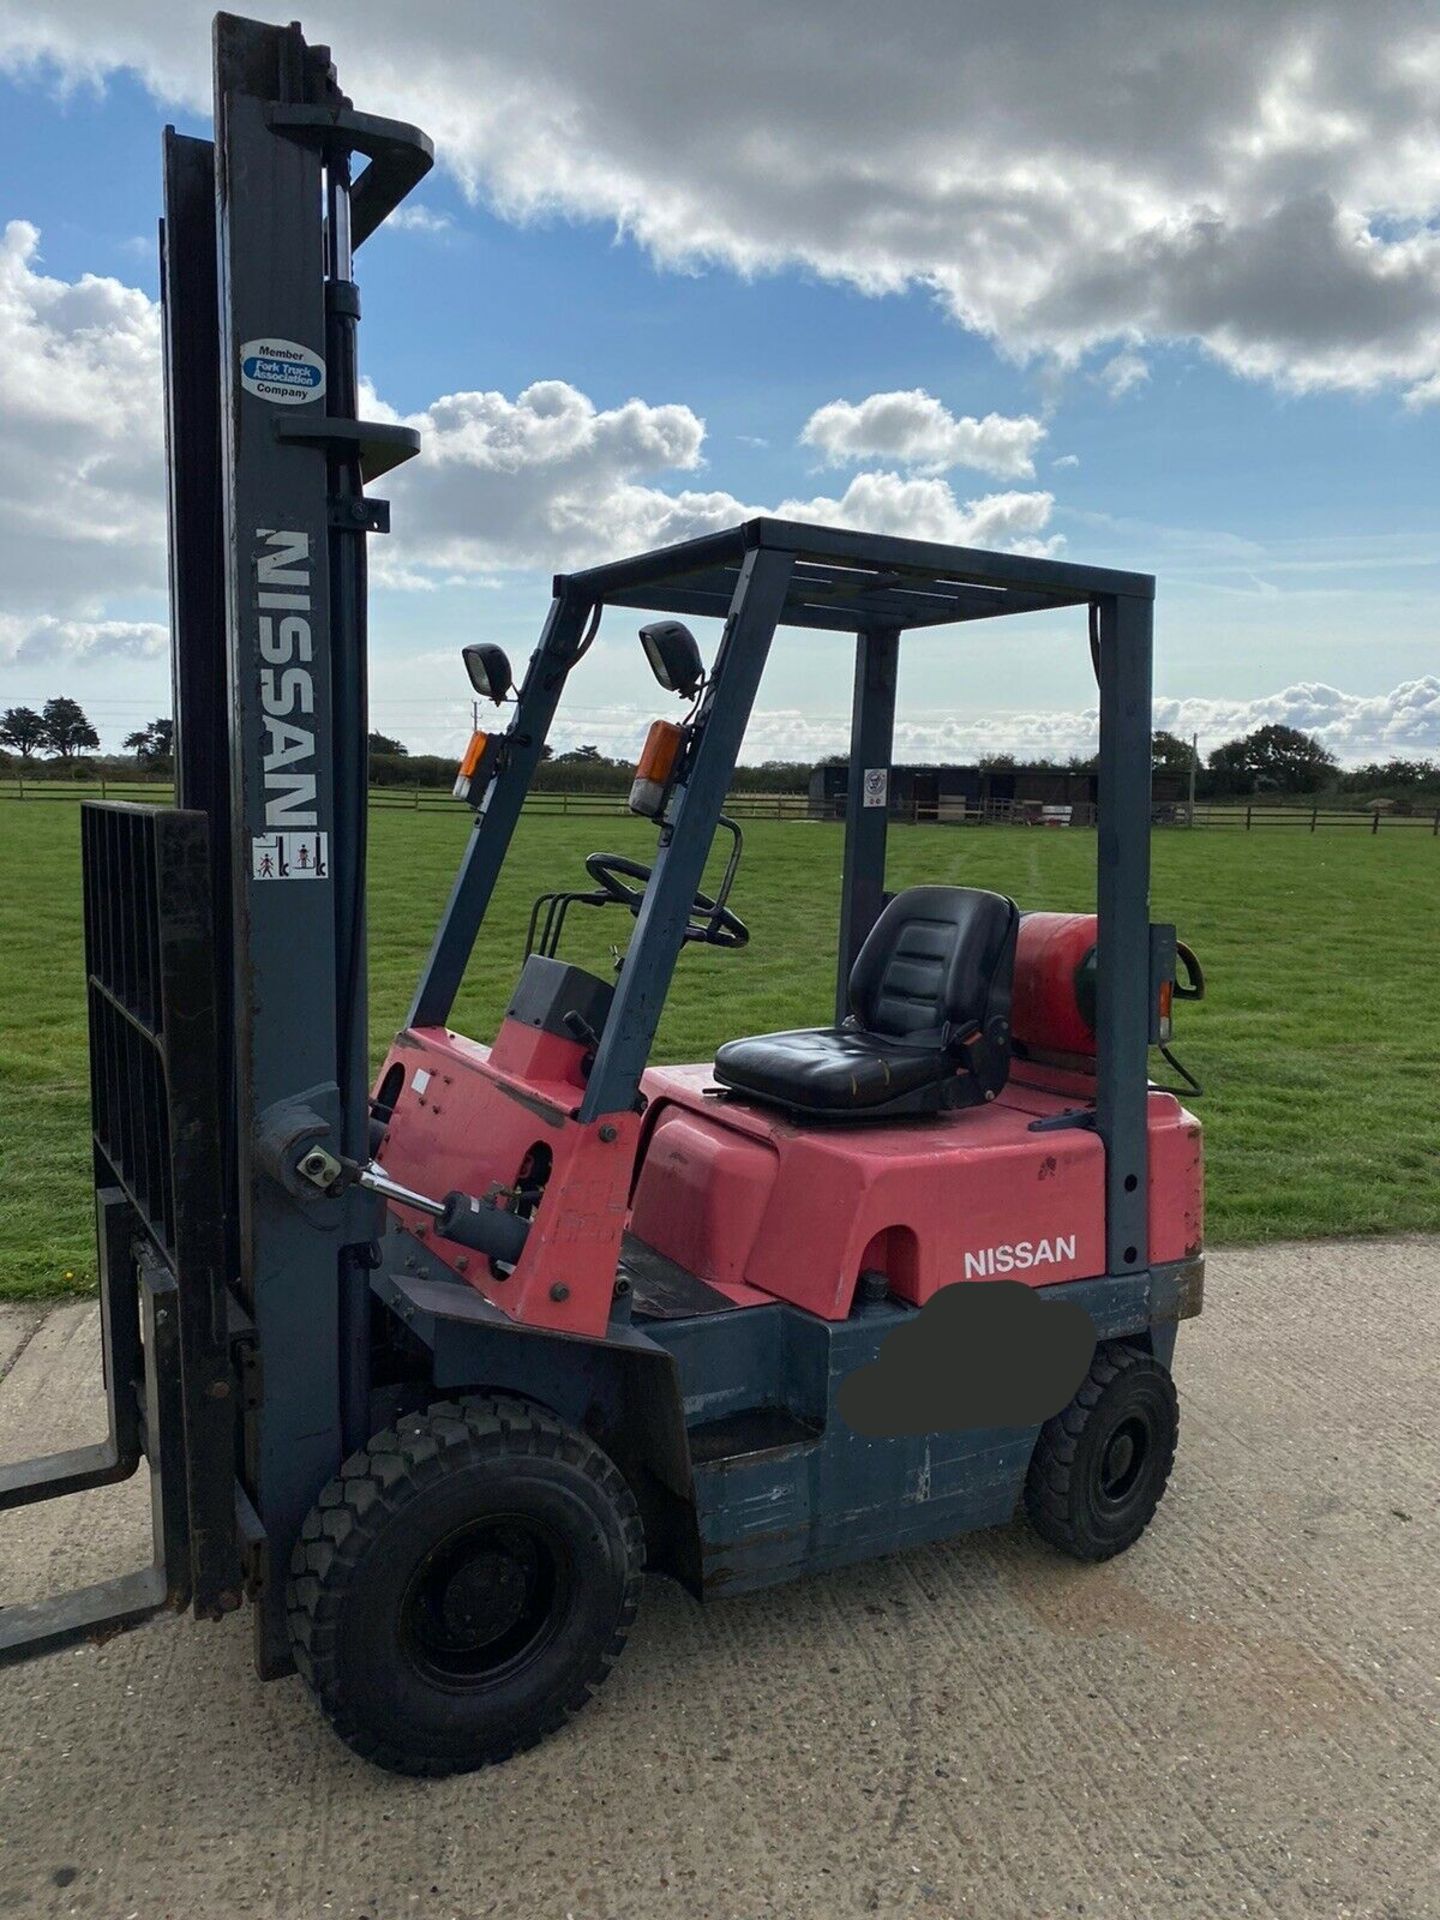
x: 475, y: 1223
x: 374, y: 1179
x: 579, y: 1028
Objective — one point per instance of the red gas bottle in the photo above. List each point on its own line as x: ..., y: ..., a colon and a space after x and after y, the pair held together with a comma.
x: 1053, y: 1002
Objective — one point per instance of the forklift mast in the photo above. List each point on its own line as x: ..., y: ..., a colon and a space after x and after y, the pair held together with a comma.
x: 286, y: 797
x: 235, y: 924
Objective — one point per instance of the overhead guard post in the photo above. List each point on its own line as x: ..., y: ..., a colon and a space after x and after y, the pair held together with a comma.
x: 867, y: 800
x: 685, y: 842
x: 1122, y: 997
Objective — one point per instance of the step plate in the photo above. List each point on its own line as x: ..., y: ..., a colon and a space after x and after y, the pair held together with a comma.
x: 662, y: 1290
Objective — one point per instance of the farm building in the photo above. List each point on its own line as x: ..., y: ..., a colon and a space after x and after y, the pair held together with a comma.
x: 1057, y: 795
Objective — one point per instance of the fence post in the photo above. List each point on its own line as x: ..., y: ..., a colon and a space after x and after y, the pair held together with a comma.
x: 1434, y: 831
x: 1247, y: 819
x: 1314, y: 813
x: 1375, y: 822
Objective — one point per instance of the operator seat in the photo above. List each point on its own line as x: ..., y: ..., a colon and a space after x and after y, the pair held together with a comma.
x: 929, y: 1022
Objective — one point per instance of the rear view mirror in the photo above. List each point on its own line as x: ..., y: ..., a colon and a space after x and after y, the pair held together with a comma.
x: 489, y: 671
x: 674, y: 657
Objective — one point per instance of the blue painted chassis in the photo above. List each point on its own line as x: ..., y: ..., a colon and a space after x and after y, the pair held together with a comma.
x: 826, y: 1495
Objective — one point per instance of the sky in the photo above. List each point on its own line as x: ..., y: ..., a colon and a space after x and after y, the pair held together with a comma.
x: 1154, y: 288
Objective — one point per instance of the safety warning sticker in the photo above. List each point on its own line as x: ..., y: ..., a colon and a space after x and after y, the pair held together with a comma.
x: 282, y: 371
x: 877, y: 786
x: 290, y: 856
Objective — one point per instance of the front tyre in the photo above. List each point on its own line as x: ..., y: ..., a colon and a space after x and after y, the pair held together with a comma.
x: 464, y: 1585
x: 1100, y: 1466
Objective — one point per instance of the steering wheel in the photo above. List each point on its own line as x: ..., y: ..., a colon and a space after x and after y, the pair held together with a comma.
x: 717, y: 926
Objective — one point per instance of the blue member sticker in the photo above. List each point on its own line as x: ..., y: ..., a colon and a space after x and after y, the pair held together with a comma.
x: 281, y: 371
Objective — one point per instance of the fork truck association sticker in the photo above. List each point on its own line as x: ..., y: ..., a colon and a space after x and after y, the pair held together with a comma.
x: 290, y: 856
x: 282, y: 371
x: 877, y: 786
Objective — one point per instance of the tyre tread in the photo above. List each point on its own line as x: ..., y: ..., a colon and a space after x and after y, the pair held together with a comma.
x: 1050, y: 1482
x: 370, y: 1489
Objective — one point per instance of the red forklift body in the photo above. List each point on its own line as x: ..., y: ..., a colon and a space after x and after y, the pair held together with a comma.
x: 753, y: 1203
x: 756, y: 1204
x: 469, y: 1118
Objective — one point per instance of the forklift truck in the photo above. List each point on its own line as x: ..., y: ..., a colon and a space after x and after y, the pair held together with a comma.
x: 427, y: 1370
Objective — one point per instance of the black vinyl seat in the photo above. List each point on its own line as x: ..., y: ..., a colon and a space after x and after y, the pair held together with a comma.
x: 929, y: 1022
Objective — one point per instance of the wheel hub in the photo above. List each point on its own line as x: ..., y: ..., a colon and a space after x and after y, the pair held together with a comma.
x: 483, y: 1598
x: 1123, y: 1460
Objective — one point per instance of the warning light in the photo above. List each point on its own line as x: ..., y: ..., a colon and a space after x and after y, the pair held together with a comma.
x: 469, y: 764
x: 654, y: 768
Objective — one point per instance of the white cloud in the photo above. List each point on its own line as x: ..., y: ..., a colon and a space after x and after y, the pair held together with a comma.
x: 927, y: 509
x: 919, y: 431
x: 1403, y: 724
x: 418, y: 218
x: 81, y: 478
x: 550, y: 480
x: 1123, y: 373
x: 1066, y: 460
x: 1260, y: 176
x: 546, y: 479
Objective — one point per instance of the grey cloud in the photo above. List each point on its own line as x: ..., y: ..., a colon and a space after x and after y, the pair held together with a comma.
x: 1303, y: 294
x: 1064, y: 178
x: 40, y: 642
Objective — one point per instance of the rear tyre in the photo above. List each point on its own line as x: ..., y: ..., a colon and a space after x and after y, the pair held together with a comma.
x: 1100, y: 1467
x: 464, y: 1585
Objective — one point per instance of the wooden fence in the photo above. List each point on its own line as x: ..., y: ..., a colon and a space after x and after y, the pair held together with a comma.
x: 1316, y: 819
x: 1237, y: 817
x: 154, y: 793
x: 741, y: 806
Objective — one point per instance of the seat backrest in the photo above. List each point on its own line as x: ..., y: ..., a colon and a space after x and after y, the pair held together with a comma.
x: 937, y: 959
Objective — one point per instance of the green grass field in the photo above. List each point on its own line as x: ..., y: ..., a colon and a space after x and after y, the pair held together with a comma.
x: 1318, y: 1045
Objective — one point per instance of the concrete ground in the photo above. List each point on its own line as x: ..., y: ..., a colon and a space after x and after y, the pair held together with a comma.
x: 1238, y: 1718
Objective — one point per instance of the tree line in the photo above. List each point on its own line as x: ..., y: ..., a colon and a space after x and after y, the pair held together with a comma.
x: 63, y: 731
x: 582, y: 769
x: 1272, y: 759
x: 61, y: 728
